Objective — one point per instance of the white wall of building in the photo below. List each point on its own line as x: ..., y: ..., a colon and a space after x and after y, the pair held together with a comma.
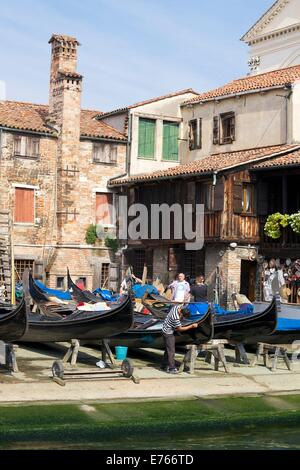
x: 163, y: 110
x: 261, y: 121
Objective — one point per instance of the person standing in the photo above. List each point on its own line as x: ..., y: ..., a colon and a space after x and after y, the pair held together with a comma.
x: 180, y: 289
x: 172, y: 324
x: 199, y: 290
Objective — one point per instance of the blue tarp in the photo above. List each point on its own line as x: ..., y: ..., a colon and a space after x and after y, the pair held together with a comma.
x: 245, y: 308
x: 52, y: 292
x: 197, y: 310
x: 139, y: 290
x: 106, y: 295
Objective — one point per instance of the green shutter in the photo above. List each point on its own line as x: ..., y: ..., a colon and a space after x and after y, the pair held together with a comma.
x: 147, y: 138
x: 170, y: 141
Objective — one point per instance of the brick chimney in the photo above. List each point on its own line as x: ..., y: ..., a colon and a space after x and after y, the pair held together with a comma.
x: 64, y: 114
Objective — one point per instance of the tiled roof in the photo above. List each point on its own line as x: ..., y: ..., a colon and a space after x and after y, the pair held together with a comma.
x: 33, y: 117
x: 91, y: 127
x: 152, y: 100
x: 291, y: 159
x: 208, y: 165
x: 275, y: 78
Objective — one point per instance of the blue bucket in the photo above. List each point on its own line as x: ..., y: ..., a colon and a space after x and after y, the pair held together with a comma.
x: 121, y: 353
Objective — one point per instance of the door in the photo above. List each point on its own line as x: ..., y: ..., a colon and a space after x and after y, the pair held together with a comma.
x: 248, y: 279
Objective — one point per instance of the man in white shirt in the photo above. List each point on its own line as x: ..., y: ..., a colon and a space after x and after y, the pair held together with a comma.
x: 180, y: 289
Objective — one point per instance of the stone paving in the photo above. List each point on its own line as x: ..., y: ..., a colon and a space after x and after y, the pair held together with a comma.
x: 34, y: 381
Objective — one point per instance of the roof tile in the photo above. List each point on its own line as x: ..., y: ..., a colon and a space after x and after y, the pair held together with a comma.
x: 272, y: 79
x: 33, y: 117
x: 210, y: 164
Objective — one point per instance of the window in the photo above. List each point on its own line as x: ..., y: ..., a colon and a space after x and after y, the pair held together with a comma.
x: 26, y: 146
x: 104, y: 208
x: 205, y: 195
x: 60, y: 282
x: 224, y: 128
x: 146, y: 138
x: 105, y: 275
x: 24, y: 206
x: 105, y: 153
x: 248, y: 199
x: 195, y: 134
x: 21, y: 265
x: 170, y: 141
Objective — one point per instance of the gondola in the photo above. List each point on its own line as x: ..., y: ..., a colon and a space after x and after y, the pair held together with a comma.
x: 47, y: 304
x: 81, y: 325
x: 147, y: 332
x: 247, y: 328
x: 288, y: 326
x: 81, y: 295
x: 13, y: 323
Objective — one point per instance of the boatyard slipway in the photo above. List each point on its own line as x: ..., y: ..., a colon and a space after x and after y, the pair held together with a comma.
x: 34, y: 382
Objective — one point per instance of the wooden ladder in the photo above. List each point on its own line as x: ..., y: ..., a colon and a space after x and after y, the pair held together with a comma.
x: 5, y: 252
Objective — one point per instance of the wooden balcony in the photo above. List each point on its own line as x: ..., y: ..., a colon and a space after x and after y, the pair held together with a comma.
x: 288, y: 244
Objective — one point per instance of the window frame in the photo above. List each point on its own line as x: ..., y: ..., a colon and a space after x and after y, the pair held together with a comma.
x: 245, y: 187
x: 171, y: 124
x: 63, y: 287
x: 105, y: 267
x: 113, y: 147
x: 196, y: 144
x: 109, y: 195
x: 24, y: 143
x: 26, y: 188
x: 223, y: 118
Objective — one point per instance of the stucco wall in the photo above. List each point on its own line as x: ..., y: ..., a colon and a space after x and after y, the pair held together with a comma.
x: 168, y: 109
x: 260, y: 122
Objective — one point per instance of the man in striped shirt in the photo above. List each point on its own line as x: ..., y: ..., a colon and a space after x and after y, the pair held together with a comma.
x: 171, y: 324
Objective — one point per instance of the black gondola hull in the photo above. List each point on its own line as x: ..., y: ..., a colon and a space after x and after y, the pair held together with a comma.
x: 143, y: 338
x: 13, y: 325
x: 248, y: 329
x: 88, y: 326
x: 244, y: 328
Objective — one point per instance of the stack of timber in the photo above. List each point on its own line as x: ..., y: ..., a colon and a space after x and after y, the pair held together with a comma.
x: 5, y: 252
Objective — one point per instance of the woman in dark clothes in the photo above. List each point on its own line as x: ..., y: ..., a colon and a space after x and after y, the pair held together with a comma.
x: 199, y: 290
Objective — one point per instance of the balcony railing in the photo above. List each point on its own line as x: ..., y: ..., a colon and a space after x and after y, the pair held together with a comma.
x: 288, y: 240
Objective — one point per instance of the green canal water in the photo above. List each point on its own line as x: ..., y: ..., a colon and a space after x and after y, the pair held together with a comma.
x: 229, y: 423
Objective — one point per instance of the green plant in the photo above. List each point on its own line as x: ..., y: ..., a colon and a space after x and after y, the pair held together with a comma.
x: 294, y: 220
x: 91, y: 235
x: 275, y: 223
x: 112, y: 243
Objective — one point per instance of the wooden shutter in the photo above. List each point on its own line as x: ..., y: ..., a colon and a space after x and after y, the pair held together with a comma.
x: 216, y: 130
x: 232, y: 128
x: 199, y: 133
x: 191, y: 192
x: 237, y: 197
x: 17, y: 144
x: 24, y: 206
x: 147, y: 138
x: 219, y: 196
x: 262, y: 198
x: 170, y: 141
x: 103, y: 210
x: 192, y: 134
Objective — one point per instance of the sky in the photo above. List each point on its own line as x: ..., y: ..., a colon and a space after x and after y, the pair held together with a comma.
x: 131, y: 50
